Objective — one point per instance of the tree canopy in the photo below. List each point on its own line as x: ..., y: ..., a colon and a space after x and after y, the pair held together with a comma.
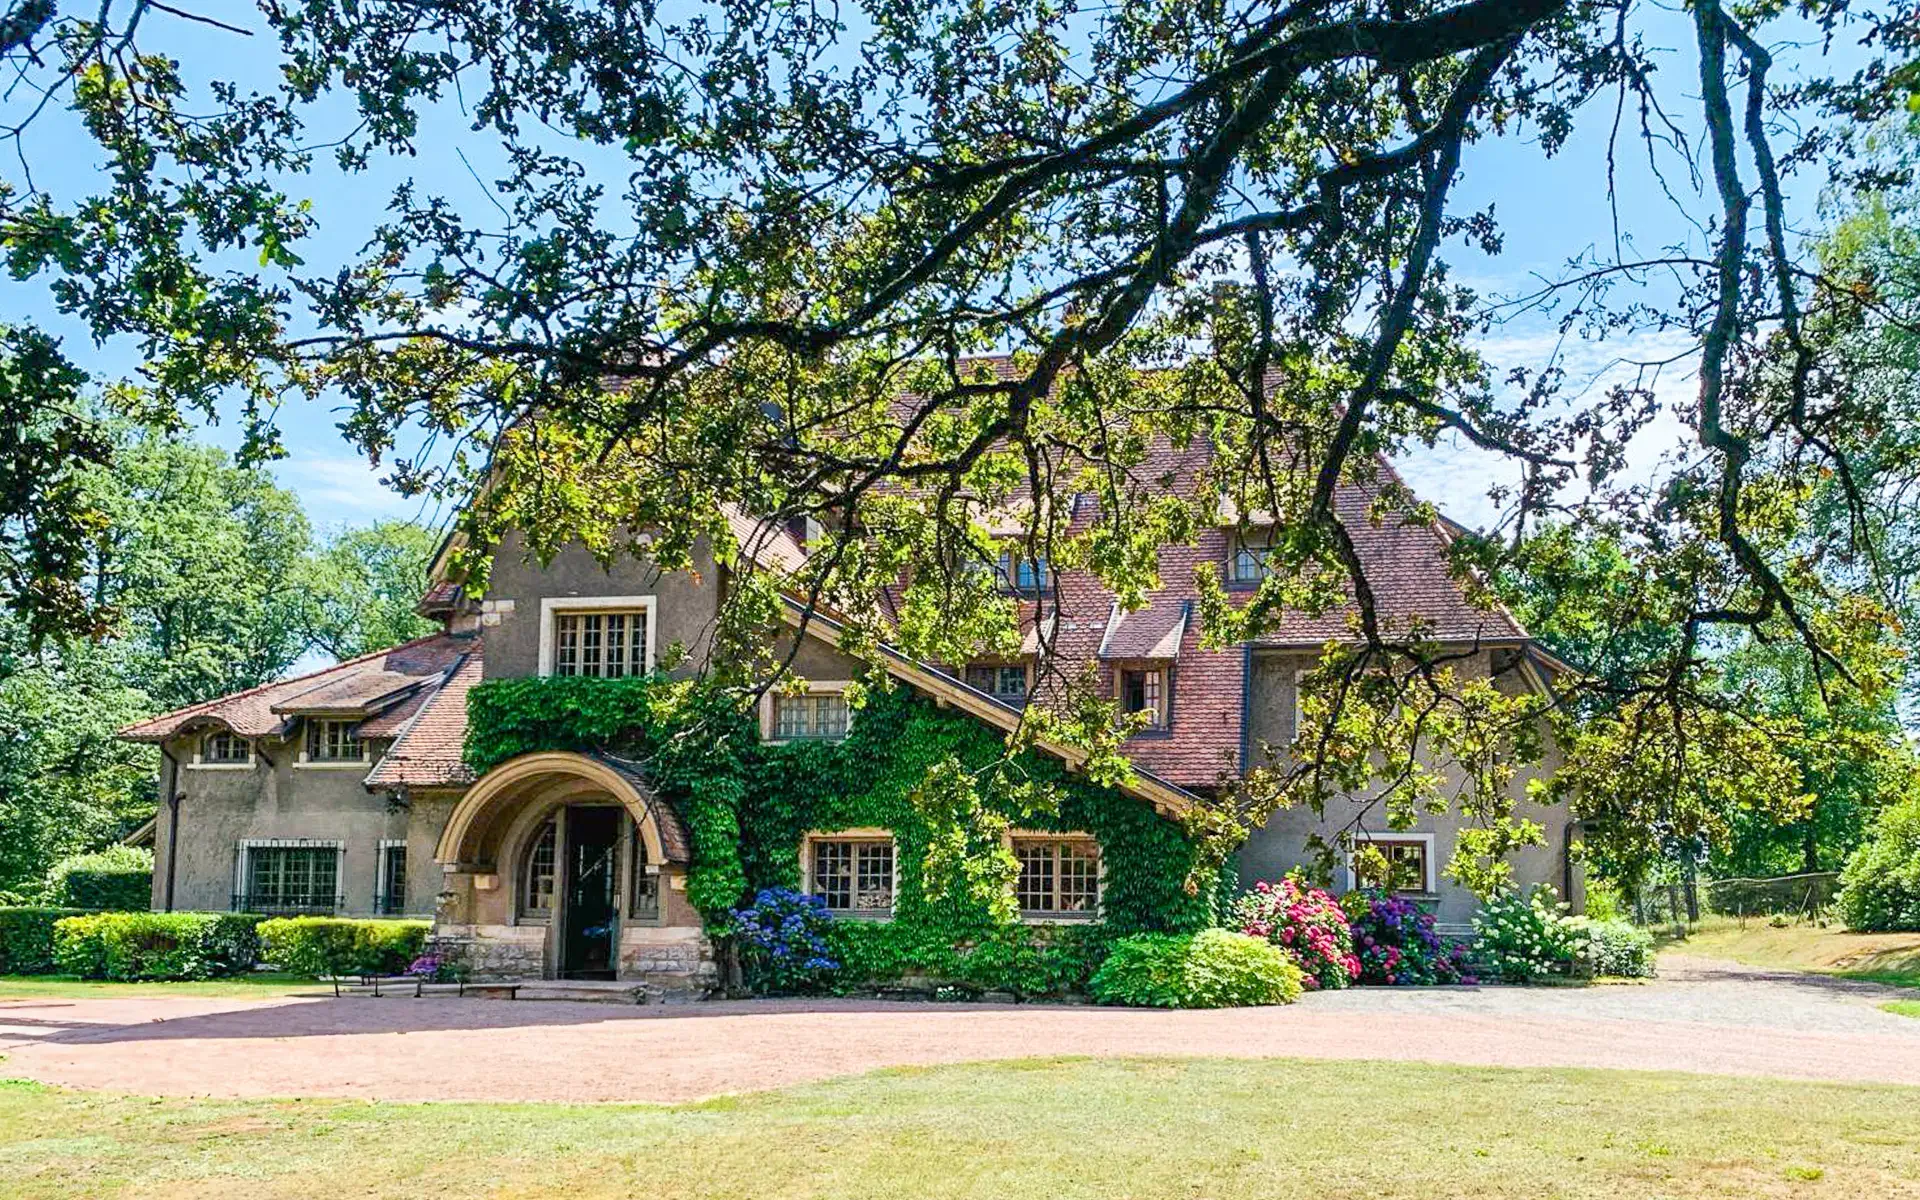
x: 751, y: 254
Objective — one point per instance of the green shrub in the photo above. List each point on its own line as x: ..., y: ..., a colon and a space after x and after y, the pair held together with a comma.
x: 320, y: 946
x: 26, y: 939
x: 128, y: 946
x: 117, y: 879
x: 1210, y: 969
x: 1880, y: 887
x: 1616, y: 948
x: 1526, y: 937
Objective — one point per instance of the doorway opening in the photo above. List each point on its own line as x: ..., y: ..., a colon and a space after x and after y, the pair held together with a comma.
x: 589, y: 918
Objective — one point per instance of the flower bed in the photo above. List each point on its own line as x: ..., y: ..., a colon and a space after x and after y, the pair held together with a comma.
x: 1394, y: 939
x: 1306, y: 923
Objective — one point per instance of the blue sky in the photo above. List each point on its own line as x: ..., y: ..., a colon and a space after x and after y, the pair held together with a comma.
x: 1551, y: 210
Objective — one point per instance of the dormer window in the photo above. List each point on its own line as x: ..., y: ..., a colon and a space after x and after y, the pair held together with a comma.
x: 334, y: 741
x: 1028, y: 576
x: 224, y: 749
x: 1143, y: 689
x: 1006, y: 682
x: 597, y: 637
x: 1248, y: 557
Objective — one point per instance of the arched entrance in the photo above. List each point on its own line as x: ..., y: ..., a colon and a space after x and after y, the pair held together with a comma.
x: 567, y: 866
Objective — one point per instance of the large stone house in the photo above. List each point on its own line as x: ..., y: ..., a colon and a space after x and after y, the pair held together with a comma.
x: 346, y: 791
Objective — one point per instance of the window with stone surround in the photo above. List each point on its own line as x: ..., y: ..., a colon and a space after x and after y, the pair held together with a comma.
x: 852, y: 873
x: 607, y: 644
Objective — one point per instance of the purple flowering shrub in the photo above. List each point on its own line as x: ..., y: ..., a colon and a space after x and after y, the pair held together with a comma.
x: 783, y: 936
x: 1394, y: 940
x: 1306, y: 923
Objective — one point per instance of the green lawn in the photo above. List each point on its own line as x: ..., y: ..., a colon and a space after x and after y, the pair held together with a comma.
x: 1881, y: 957
x: 1903, y: 1008
x: 1057, y: 1128
x: 66, y: 987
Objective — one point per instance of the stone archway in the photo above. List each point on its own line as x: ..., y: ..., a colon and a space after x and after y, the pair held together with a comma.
x: 515, y: 924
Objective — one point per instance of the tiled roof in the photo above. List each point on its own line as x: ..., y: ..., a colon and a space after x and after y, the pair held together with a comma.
x: 428, y: 746
x: 358, y: 685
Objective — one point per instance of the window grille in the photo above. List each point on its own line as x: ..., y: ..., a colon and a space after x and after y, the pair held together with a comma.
x: 290, y: 879
x: 224, y: 747
x: 536, y: 895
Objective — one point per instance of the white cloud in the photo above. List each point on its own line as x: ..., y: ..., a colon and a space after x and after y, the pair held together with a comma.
x: 345, y: 489
x: 1457, y: 475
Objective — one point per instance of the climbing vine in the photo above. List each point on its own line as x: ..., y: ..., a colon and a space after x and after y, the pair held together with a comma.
x: 938, y: 779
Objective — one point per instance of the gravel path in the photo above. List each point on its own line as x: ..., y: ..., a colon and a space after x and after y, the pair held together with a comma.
x: 1702, y: 1016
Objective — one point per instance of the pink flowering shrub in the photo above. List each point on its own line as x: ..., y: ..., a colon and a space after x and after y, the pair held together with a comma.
x: 1306, y: 923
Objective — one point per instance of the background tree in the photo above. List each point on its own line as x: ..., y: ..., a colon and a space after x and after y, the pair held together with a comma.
x: 211, y: 581
x: 359, y: 588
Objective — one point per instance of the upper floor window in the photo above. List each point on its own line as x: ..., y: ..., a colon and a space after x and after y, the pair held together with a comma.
x: 599, y: 637
x: 814, y: 715
x: 225, y: 749
x: 1059, y: 876
x: 1023, y: 574
x: 852, y: 873
x: 334, y: 741
x: 1002, y: 681
x: 1144, y: 690
x: 1248, y: 557
x: 607, y: 644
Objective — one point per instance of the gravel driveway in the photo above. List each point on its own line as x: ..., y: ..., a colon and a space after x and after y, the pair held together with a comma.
x: 1702, y: 1017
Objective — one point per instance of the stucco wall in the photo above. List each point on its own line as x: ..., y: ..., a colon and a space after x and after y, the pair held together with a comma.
x: 1282, y: 844
x: 687, y: 602
x: 276, y: 798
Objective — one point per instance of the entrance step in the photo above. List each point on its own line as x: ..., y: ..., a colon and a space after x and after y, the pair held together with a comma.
x: 590, y: 991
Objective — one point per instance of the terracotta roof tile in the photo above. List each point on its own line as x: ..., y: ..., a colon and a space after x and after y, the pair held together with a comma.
x: 428, y: 750
x: 356, y: 685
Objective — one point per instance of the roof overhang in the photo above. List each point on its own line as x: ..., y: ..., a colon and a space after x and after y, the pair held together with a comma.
x: 1165, y: 797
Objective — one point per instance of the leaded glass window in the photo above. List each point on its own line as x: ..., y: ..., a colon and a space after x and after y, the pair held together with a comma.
x: 536, y: 891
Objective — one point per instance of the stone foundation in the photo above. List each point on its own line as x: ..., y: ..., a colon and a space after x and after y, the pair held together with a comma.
x: 498, y: 951
x: 675, y: 960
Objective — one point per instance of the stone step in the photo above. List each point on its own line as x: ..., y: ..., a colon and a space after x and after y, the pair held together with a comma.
x: 589, y: 991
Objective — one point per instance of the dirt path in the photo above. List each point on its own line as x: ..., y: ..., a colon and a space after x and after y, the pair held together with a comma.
x: 1705, y: 1017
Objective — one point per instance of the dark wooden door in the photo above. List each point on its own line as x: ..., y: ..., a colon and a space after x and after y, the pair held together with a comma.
x: 592, y: 885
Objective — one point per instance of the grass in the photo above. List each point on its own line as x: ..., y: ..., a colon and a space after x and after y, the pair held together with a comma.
x: 1903, y: 1008
x: 67, y: 987
x: 1880, y: 957
x: 1224, y: 1130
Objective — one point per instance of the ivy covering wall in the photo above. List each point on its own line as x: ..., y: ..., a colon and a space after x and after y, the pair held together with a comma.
x: 748, y: 806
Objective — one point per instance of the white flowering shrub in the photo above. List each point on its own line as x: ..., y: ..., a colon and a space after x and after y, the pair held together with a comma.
x: 1523, y: 937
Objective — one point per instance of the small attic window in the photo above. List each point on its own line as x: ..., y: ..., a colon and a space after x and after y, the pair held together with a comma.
x: 225, y: 749
x: 1248, y: 557
x: 1143, y: 689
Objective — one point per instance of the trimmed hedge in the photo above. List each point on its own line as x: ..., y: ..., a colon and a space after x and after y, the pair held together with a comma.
x: 132, y: 946
x: 320, y: 946
x: 26, y: 939
x: 117, y: 879
x: 1211, y: 969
